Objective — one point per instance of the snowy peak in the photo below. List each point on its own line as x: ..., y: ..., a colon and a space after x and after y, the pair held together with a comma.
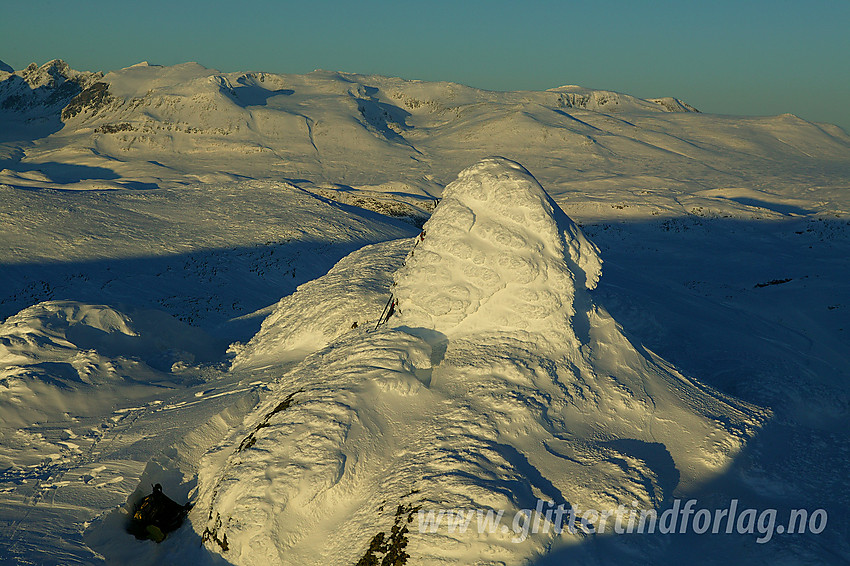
x: 48, y: 87
x: 572, y: 96
x: 671, y: 104
x: 497, y: 382
x: 51, y: 74
x: 498, y: 254
x: 139, y: 80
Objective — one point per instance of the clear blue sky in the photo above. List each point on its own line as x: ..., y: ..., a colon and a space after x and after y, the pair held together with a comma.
x: 730, y: 57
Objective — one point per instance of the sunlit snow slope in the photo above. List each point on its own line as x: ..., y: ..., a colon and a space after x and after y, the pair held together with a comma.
x: 497, y: 381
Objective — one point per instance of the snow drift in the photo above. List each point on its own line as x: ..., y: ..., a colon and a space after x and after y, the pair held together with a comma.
x: 350, y: 294
x: 498, y: 382
x: 60, y: 354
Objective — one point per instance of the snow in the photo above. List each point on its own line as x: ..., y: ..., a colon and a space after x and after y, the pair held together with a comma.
x: 142, y: 79
x: 167, y: 126
x: 207, y: 255
x: 351, y: 294
x: 449, y: 403
x: 497, y: 254
x: 193, y: 270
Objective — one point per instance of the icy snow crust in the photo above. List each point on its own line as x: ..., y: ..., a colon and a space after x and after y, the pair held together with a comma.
x: 469, y: 397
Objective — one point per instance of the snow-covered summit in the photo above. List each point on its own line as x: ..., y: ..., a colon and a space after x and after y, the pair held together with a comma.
x: 498, y: 381
x: 574, y: 96
x: 497, y: 254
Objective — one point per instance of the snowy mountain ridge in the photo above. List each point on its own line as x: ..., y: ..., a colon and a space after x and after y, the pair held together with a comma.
x: 38, y: 92
x: 147, y: 125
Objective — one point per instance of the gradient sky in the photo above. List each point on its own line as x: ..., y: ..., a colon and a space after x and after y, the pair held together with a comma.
x: 750, y: 57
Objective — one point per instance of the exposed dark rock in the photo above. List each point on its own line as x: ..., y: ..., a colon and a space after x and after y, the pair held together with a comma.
x: 93, y: 98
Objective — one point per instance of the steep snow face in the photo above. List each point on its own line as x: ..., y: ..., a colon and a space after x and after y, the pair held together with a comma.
x: 468, y: 398
x: 498, y: 254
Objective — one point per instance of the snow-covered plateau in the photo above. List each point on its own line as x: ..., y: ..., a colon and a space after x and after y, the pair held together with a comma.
x: 332, y: 310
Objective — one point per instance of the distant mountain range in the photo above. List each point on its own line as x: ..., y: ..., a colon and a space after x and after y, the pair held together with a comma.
x: 37, y: 92
x: 149, y: 125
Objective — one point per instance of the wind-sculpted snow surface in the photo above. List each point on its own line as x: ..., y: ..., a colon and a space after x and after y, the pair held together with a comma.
x: 498, y: 382
x: 498, y: 255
